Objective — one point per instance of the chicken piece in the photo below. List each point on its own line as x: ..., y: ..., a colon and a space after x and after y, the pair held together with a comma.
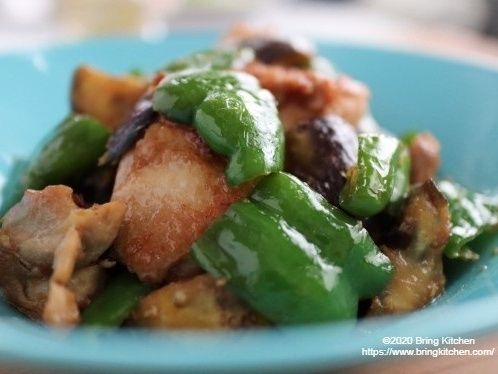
x: 43, y: 239
x: 306, y: 94
x: 242, y: 31
x: 198, y: 303
x: 424, y: 152
x: 174, y: 187
x: 418, y: 277
x: 110, y: 99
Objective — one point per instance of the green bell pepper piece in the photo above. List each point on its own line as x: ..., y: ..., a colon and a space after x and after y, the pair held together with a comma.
x: 370, y: 184
x: 401, y: 180
x: 471, y: 214
x: 292, y: 256
x: 218, y: 59
x: 232, y: 114
x: 114, y: 304
x: 14, y: 187
x: 71, y: 150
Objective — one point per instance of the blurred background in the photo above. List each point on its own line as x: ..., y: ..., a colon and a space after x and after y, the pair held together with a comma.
x: 468, y: 28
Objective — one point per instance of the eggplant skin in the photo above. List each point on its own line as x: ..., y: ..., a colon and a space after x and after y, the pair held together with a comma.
x: 110, y: 99
x: 320, y: 151
x: 280, y: 52
x: 418, y: 258
x: 125, y: 137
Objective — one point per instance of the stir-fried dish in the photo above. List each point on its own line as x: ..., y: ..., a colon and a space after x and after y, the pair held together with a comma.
x: 242, y: 186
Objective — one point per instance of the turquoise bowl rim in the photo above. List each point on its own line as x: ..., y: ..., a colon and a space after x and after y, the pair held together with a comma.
x: 289, y: 349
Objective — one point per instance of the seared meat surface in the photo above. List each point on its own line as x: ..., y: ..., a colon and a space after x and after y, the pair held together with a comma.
x: 49, y: 247
x: 424, y: 153
x: 174, y: 187
x: 305, y: 94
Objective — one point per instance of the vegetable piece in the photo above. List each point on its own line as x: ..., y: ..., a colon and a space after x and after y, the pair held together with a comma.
x: 416, y: 253
x: 95, y: 186
x: 295, y: 52
x: 173, y: 186
x: 126, y: 136
x: 319, y: 152
x: 370, y: 184
x: 291, y: 255
x: 424, y: 153
x: 201, y: 302
x: 471, y: 214
x: 70, y: 151
x: 401, y: 179
x: 115, y: 303
x: 107, y: 98
x: 218, y: 59
x: 14, y: 187
x: 74, y: 148
x: 231, y: 114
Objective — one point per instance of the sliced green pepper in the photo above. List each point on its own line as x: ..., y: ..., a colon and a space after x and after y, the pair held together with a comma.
x: 232, y: 114
x: 220, y: 59
x: 72, y: 149
x: 14, y: 187
x: 292, y: 256
x: 370, y: 184
x: 115, y: 303
x: 401, y: 179
x: 471, y: 215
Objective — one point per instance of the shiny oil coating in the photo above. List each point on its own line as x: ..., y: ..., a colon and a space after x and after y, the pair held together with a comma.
x: 401, y: 179
x: 72, y: 149
x: 211, y: 59
x: 292, y: 256
x: 471, y: 214
x: 231, y: 114
x: 115, y: 303
x: 370, y: 184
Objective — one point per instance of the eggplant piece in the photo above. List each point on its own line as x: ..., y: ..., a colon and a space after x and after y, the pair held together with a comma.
x: 108, y: 98
x: 202, y: 302
x: 296, y: 53
x: 416, y: 251
x: 320, y: 151
x: 126, y: 136
x: 184, y: 268
x: 96, y: 186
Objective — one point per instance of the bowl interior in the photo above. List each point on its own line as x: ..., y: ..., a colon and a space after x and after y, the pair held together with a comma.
x: 454, y: 100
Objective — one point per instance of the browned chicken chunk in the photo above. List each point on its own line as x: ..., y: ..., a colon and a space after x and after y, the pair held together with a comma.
x: 305, y: 94
x: 424, y: 153
x: 110, y: 99
x: 174, y: 187
x: 198, y: 303
x: 48, y: 249
x: 418, y: 277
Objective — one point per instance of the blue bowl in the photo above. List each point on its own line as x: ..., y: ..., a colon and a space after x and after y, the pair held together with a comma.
x: 454, y: 100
